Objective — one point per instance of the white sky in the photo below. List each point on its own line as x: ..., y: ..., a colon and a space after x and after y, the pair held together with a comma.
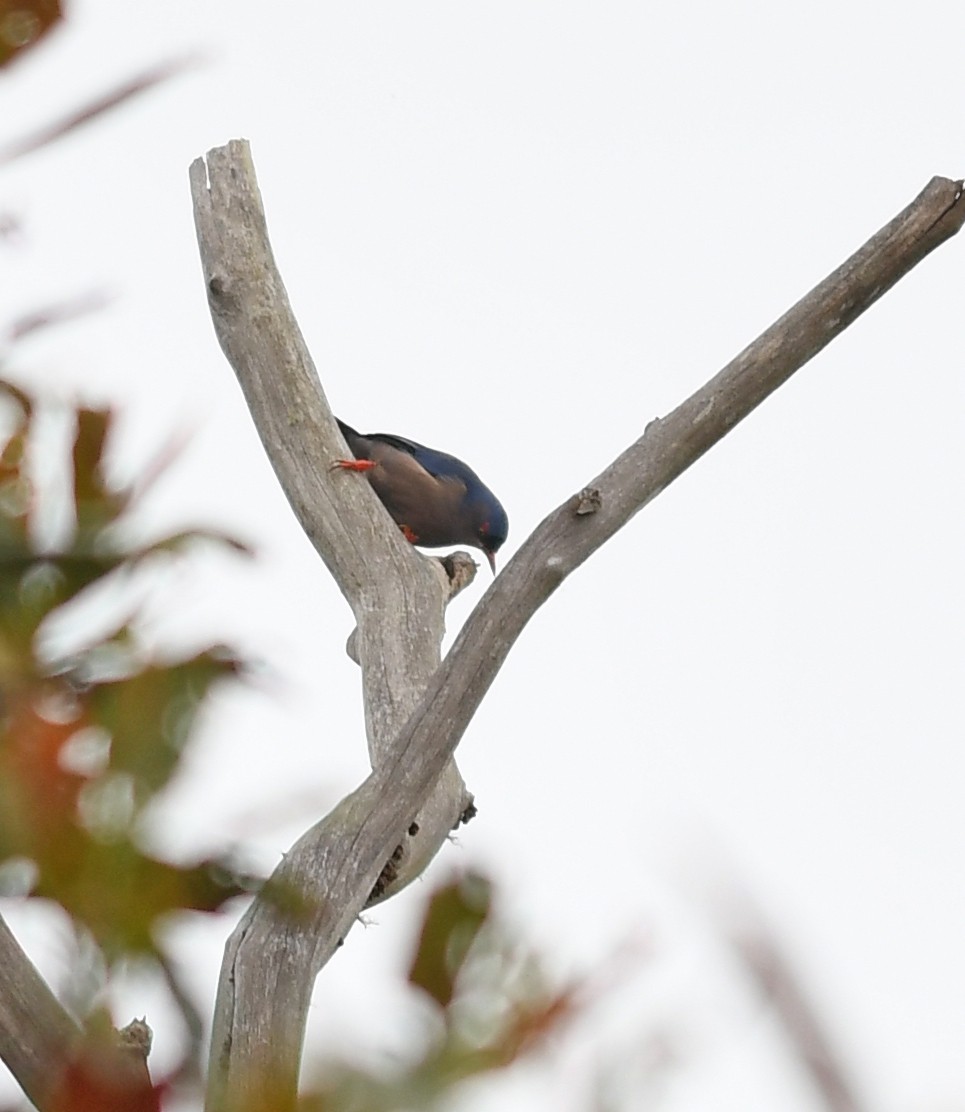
x: 518, y: 232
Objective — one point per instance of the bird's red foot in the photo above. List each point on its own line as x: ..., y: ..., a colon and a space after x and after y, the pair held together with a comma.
x: 408, y: 534
x: 353, y: 464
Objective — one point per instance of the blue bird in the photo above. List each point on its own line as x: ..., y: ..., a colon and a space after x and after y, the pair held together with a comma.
x: 433, y: 497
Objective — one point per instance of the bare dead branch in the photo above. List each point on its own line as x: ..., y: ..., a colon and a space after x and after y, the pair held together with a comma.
x: 37, y: 1035
x: 570, y: 534
x: 41, y: 1043
x: 398, y: 596
x: 272, y: 959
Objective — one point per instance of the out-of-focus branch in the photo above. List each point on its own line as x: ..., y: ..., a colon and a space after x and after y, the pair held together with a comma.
x: 140, y: 83
x: 54, y: 314
x: 51, y: 1058
x: 770, y: 969
x: 37, y: 1036
x: 760, y: 952
x: 45, y: 1049
x: 273, y: 958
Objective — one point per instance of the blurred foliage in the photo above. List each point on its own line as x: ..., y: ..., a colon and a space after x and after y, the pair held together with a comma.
x: 23, y: 23
x: 453, y: 920
x: 86, y: 742
x: 491, y: 1005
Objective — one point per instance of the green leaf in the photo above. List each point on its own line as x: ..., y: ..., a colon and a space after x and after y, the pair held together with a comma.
x: 118, y: 893
x: 86, y: 743
x: 452, y: 921
x: 150, y: 715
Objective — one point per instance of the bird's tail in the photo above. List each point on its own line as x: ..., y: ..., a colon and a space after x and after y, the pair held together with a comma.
x: 355, y: 440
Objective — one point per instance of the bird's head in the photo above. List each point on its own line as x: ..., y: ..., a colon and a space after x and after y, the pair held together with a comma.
x: 492, y: 530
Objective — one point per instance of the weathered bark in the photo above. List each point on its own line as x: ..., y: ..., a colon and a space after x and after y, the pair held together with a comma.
x: 37, y: 1035
x: 398, y: 597
x: 416, y: 711
x: 43, y: 1046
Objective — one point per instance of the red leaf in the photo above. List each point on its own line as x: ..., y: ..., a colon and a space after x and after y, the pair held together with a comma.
x: 104, y: 1079
x: 38, y: 797
x: 23, y: 23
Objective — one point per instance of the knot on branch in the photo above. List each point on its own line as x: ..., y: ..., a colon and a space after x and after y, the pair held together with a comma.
x: 136, y: 1037
x: 468, y: 813
x: 588, y: 501
x: 220, y: 293
x: 460, y: 569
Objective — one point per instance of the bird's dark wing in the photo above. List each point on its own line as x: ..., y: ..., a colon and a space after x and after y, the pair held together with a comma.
x: 440, y: 465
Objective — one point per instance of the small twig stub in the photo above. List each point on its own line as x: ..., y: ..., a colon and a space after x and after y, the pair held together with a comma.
x: 588, y: 501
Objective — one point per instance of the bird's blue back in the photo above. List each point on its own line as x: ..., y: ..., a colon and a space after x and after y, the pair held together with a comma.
x: 439, y: 464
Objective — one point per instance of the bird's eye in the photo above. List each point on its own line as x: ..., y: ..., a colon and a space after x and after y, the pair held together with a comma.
x: 484, y: 529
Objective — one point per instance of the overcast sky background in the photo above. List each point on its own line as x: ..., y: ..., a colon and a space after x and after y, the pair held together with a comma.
x: 518, y: 232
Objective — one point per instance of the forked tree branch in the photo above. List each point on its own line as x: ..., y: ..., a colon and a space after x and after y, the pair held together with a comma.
x: 397, y: 596
x: 273, y: 958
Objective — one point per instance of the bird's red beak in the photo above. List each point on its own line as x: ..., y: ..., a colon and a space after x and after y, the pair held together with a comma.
x: 491, y: 557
